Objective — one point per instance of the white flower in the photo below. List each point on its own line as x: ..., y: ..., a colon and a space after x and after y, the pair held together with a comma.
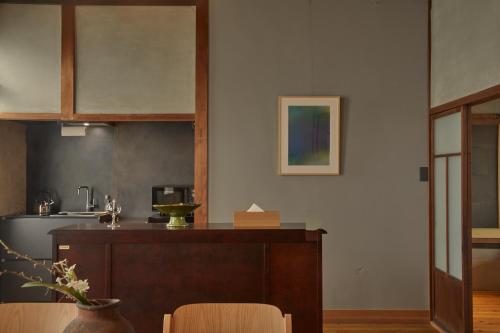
x: 70, y: 270
x: 70, y: 273
x: 80, y: 286
x: 59, y: 281
x: 60, y: 263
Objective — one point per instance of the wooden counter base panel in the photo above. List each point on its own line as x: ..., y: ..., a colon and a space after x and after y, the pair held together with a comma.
x: 154, y: 270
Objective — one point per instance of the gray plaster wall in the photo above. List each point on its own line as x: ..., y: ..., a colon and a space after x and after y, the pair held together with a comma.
x: 374, y: 55
x: 484, y: 176
x: 125, y: 161
x: 148, y: 154
x: 465, y: 48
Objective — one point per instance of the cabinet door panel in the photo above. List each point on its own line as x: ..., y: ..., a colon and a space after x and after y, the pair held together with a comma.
x: 135, y: 59
x: 30, y: 58
x: 162, y: 277
x: 91, y: 264
x: 288, y: 276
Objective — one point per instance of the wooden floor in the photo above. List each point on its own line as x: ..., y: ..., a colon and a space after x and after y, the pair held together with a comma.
x: 378, y: 328
x: 486, y: 320
x: 486, y: 306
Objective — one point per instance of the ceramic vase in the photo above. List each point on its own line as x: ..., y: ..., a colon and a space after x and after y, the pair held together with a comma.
x: 104, y: 318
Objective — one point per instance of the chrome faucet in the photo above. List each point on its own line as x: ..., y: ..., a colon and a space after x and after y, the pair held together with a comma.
x: 90, y: 201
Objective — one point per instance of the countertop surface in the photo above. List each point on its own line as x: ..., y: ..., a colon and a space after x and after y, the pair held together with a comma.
x: 133, y: 231
x: 140, y: 224
x: 485, y: 235
x: 54, y: 216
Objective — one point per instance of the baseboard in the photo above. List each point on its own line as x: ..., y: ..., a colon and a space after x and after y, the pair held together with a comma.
x: 375, y: 316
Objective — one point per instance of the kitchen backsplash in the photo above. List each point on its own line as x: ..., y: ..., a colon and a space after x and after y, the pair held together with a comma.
x: 125, y: 160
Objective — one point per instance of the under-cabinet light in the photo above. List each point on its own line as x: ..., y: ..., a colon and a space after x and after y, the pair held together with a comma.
x: 86, y: 124
x: 73, y: 130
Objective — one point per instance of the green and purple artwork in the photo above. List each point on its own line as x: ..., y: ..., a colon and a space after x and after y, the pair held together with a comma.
x: 308, y: 135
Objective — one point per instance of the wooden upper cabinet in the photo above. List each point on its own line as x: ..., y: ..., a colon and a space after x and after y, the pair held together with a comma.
x: 30, y: 60
x: 100, y: 62
x: 135, y: 60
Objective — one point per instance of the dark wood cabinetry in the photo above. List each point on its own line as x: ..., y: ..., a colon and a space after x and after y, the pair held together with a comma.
x: 154, y: 270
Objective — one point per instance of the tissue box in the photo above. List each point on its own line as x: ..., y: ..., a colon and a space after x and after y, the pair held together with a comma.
x: 270, y: 219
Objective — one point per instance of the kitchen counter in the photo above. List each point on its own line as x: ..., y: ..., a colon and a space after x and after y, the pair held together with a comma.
x: 486, y: 237
x: 154, y: 270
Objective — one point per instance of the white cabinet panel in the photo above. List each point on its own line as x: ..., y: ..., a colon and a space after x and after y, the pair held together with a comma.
x: 135, y: 59
x: 30, y: 58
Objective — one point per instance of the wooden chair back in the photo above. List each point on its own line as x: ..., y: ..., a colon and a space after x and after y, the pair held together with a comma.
x: 227, y: 318
x: 36, y: 317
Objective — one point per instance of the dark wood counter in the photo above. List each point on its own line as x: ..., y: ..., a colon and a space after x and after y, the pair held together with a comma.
x: 154, y: 270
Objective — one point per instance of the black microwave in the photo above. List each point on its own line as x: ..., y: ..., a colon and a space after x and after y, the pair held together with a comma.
x: 170, y: 194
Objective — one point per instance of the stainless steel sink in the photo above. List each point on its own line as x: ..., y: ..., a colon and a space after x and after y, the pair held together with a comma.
x: 81, y: 213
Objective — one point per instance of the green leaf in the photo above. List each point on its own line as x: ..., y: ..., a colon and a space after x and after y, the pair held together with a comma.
x: 70, y: 292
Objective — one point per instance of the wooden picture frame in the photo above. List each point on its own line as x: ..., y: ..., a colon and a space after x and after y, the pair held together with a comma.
x: 309, y: 135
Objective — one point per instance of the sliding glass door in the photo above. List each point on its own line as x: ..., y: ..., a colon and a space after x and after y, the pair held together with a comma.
x: 450, y: 230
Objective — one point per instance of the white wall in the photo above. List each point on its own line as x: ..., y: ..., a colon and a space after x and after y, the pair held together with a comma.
x: 465, y: 48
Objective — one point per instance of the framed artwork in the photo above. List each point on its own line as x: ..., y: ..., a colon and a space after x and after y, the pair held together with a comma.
x: 309, y: 135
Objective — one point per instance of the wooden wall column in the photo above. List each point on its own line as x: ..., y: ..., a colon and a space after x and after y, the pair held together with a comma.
x: 67, y: 61
x: 201, y: 116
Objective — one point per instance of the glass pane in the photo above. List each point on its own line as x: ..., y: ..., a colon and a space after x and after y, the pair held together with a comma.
x: 448, y: 134
x: 30, y: 58
x: 455, y: 215
x: 440, y: 213
x: 126, y: 66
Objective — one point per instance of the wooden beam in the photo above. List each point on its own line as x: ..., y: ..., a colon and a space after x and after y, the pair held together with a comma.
x: 485, y: 119
x: 67, y: 62
x: 467, y: 216
x: 30, y: 116
x: 107, y: 2
x: 134, y: 117
x: 201, y: 118
x: 476, y: 98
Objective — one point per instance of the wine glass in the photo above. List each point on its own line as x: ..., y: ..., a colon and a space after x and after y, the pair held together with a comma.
x: 114, y: 209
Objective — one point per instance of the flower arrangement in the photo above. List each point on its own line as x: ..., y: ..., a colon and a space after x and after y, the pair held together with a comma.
x: 66, y: 280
